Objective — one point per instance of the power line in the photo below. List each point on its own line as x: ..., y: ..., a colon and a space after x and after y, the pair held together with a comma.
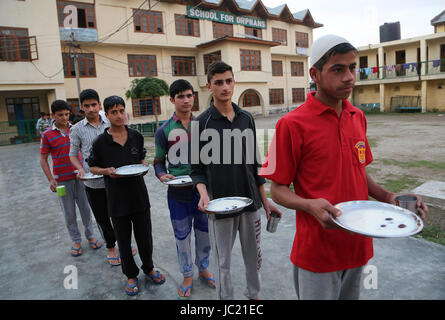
x: 48, y: 77
x: 125, y: 24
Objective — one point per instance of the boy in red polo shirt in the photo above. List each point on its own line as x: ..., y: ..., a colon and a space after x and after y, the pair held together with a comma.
x: 322, y: 149
x: 56, y: 141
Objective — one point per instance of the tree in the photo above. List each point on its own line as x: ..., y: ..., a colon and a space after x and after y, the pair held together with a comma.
x: 148, y: 88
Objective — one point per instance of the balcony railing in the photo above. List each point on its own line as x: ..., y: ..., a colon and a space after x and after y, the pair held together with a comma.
x: 405, y: 70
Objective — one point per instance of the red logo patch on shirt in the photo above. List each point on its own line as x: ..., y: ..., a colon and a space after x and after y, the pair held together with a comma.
x: 361, y: 151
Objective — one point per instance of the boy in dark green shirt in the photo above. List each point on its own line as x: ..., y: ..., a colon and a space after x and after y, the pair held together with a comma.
x: 173, y: 145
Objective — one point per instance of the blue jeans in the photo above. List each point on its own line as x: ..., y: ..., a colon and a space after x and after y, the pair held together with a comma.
x: 184, y: 216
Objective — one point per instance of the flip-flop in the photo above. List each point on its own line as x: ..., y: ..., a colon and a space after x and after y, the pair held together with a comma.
x: 110, y: 259
x: 78, y: 253
x: 207, y: 281
x: 133, y: 287
x: 156, y: 279
x: 94, y: 244
x: 184, y: 297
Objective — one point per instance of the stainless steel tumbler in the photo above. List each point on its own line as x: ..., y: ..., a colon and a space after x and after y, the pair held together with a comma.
x: 272, y: 223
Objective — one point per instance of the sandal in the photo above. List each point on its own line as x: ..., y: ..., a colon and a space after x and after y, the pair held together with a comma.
x: 116, y: 259
x: 134, y: 288
x: 184, y: 297
x: 78, y: 251
x: 156, y: 279
x: 207, y: 281
x: 94, y: 244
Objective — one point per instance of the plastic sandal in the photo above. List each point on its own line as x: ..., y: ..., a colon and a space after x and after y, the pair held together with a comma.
x: 207, y: 281
x: 156, y: 279
x: 78, y: 253
x: 184, y: 297
x: 133, y: 287
x: 110, y: 259
x: 94, y: 244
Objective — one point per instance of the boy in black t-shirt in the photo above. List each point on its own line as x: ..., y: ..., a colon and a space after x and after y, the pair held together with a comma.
x: 128, y: 202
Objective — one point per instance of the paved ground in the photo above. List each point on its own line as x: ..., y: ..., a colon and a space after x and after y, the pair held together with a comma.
x: 34, y: 250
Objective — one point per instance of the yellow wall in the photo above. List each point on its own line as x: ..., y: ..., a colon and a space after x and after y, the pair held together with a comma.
x: 372, y: 58
x: 22, y: 14
x: 435, y: 95
x: 366, y: 94
x: 439, y: 28
x: 434, y: 48
x: 404, y: 89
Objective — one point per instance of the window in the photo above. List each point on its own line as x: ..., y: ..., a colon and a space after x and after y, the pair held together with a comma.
x: 183, y: 66
x: 302, y: 39
x: 15, y: 45
x: 251, y: 99
x: 297, y: 69
x: 86, y: 17
x: 276, y: 96
x: 211, y: 57
x: 279, y: 35
x: 363, y: 63
x: 142, y: 65
x: 222, y: 29
x: 277, y: 68
x: 144, y: 107
x: 254, y: 32
x: 186, y: 26
x: 147, y: 21
x: 195, y: 102
x: 298, y: 95
x: 74, y: 105
x: 250, y: 60
x: 400, y: 60
x: 87, y: 66
x: 22, y: 109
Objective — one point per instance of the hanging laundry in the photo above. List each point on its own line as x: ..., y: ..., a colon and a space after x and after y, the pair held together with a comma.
x: 375, y: 69
x: 367, y: 71
x: 405, y: 66
x: 436, y: 63
x: 398, y: 67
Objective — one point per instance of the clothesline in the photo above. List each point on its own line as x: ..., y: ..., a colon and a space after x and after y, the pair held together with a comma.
x: 413, y: 66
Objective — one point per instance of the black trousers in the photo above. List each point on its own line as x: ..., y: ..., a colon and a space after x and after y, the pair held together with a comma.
x: 98, y: 203
x: 140, y: 223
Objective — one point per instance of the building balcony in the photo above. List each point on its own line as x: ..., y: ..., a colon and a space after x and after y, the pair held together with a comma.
x: 402, y: 71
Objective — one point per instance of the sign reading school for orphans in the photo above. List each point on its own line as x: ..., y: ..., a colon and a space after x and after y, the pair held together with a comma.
x: 226, y: 17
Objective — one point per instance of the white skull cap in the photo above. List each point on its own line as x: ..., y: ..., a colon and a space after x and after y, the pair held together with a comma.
x: 323, y: 45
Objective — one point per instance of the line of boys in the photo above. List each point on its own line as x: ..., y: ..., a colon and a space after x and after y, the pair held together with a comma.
x: 108, y: 148
x: 335, y: 76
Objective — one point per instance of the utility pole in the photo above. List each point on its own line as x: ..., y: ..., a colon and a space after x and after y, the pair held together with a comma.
x: 76, y: 65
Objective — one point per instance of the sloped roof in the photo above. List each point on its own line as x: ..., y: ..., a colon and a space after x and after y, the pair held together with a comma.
x: 440, y: 18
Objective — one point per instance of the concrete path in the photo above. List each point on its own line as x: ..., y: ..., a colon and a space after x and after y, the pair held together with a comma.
x: 34, y: 250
